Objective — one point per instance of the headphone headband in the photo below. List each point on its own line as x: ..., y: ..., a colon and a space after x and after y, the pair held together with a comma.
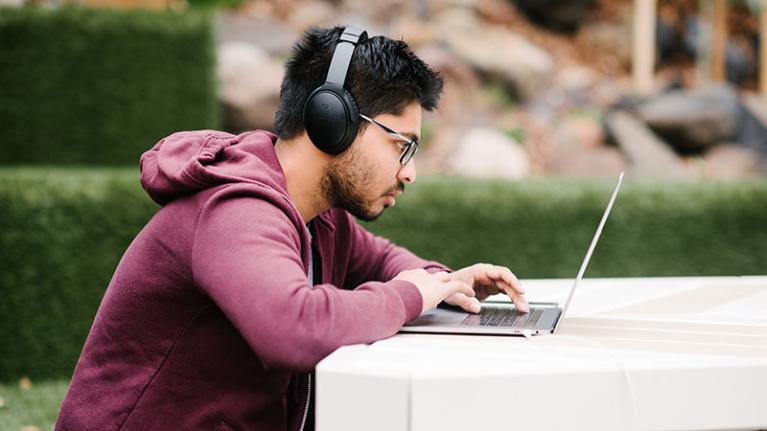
x: 342, y: 55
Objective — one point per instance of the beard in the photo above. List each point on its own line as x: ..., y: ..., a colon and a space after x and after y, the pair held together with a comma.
x: 345, y: 183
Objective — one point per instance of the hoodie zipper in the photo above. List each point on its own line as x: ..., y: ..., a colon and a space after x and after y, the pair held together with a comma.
x: 308, y: 399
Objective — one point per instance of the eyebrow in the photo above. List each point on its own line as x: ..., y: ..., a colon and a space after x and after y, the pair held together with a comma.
x: 412, y: 136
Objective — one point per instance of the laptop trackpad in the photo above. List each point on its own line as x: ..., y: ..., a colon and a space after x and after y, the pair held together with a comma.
x: 439, y: 317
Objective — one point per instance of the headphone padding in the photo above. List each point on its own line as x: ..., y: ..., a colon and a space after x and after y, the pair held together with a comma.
x: 331, y: 118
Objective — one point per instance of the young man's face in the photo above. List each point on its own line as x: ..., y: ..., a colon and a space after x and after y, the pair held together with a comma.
x: 367, y: 178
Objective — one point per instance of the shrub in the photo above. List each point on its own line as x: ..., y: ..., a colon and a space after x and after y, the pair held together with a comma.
x: 86, y: 86
x: 63, y: 231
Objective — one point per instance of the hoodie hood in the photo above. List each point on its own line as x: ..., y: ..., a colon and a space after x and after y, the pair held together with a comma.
x: 185, y: 163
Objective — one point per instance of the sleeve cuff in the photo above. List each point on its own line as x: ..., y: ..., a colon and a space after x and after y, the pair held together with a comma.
x: 411, y: 297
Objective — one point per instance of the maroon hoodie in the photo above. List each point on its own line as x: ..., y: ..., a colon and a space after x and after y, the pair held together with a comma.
x: 210, y: 318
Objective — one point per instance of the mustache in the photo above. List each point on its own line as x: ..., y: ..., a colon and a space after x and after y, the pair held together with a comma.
x: 397, y: 187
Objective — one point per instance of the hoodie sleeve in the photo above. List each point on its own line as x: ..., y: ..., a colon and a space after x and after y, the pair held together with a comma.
x: 247, y: 257
x: 376, y: 258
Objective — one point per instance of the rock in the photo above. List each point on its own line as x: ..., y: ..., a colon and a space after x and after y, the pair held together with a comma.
x: 692, y: 121
x: 579, y: 151
x: 647, y: 155
x: 558, y: 15
x: 249, y: 86
x: 729, y: 161
x: 488, y: 153
x: 312, y: 12
x: 267, y: 34
x: 460, y: 81
x: 574, y: 78
x: 612, y: 40
x: 450, y: 67
x: 601, y: 162
x: 496, y: 52
x: 758, y: 106
x: 607, y: 93
x: 752, y: 127
x: 579, y: 132
x: 416, y: 32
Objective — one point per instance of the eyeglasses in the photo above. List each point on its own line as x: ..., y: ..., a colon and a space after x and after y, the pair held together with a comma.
x: 408, y: 147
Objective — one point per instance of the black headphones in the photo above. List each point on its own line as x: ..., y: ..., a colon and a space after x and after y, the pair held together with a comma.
x: 330, y: 115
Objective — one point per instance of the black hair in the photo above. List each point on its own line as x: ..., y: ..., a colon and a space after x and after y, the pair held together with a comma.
x: 384, y: 77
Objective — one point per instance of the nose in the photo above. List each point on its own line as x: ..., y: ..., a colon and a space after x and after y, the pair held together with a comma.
x: 406, y: 173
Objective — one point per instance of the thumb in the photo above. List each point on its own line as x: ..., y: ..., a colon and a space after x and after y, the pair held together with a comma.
x: 469, y: 304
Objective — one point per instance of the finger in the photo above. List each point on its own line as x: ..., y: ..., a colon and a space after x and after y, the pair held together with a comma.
x: 469, y: 304
x: 512, y: 279
x: 457, y: 286
x: 520, y: 302
x: 454, y: 298
x: 503, y: 274
x: 519, y: 299
x: 509, y: 284
x: 505, y: 280
x: 442, y: 276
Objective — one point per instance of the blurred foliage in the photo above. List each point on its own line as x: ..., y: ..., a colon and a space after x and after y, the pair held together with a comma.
x: 215, y: 4
x: 516, y: 133
x: 101, y: 85
x: 588, y: 113
x: 63, y: 231
x: 499, y: 95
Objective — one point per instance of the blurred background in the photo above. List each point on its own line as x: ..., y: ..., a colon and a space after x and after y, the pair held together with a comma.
x: 588, y: 88
x: 545, y: 103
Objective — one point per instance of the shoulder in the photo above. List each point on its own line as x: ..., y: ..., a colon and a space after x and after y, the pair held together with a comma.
x: 250, y: 205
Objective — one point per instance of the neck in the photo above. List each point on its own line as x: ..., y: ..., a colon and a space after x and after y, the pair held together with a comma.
x: 303, y: 165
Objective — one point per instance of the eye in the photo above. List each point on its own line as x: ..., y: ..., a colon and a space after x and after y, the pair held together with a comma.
x: 402, y: 145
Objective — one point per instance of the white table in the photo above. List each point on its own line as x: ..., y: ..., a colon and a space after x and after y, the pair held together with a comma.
x: 632, y: 354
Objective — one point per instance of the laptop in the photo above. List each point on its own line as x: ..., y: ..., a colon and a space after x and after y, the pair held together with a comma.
x: 501, y: 318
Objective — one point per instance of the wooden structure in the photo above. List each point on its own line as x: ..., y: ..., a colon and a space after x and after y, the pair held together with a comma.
x: 643, y: 44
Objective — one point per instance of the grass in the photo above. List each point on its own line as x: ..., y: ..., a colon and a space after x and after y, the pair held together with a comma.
x: 30, y: 406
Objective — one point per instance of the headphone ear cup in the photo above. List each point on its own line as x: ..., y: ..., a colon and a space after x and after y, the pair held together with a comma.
x: 331, y: 119
x: 353, y: 121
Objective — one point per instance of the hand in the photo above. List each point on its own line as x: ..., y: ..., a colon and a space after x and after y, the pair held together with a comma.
x: 435, y: 287
x: 487, y: 280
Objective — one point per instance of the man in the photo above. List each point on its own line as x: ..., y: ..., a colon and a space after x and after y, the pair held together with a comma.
x: 254, y: 270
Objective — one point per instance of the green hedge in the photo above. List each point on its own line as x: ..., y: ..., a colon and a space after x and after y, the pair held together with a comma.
x: 62, y: 232
x: 542, y: 229
x: 81, y: 86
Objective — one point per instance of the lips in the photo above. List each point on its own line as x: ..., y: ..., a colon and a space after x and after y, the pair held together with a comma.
x: 398, y: 190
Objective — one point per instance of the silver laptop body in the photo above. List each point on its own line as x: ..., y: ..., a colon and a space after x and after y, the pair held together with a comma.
x: 501, y: 318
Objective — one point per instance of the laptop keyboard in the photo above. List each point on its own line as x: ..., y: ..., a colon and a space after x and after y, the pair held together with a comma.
x: 507, y: 317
